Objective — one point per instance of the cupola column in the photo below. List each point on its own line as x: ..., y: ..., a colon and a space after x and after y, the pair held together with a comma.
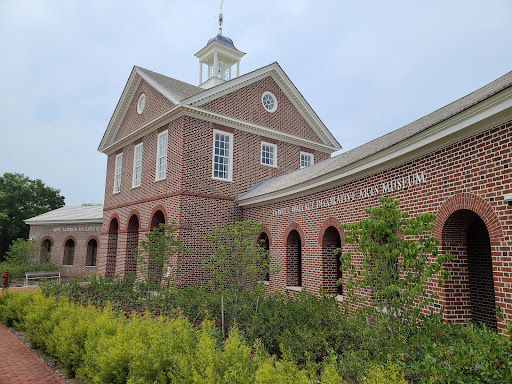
x: 215, y: 64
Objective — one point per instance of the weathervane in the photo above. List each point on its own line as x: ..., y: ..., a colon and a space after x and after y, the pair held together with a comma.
x: 221, y: 18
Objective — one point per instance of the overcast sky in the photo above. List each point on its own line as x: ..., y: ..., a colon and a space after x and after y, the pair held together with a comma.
x: 366, y: 67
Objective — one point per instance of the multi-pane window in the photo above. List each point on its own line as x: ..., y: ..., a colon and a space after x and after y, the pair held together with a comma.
x: 137, y: 165
x: 161, y: 156
x: 306, y: 159
x: 222, y: 155
x: 269, y: 154
x: 117, y: 173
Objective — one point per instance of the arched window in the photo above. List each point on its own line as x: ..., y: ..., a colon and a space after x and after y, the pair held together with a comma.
x: 92, y: 251
x: 293, y: 260
x: 69, y: 252
x: 110, y: 269
x: 45, y: 251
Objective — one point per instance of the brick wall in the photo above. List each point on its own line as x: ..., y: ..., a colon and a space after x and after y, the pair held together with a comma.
x: 156, y: 104
x: 188, y: 195
x: 58, y: 234
x: 245, y: 104
x: 471, y: 175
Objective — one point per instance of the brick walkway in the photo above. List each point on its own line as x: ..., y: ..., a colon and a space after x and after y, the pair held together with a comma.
x: 19, y: 365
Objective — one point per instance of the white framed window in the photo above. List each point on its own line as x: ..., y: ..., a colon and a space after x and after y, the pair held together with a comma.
x: 161, y: 156
x: 268, y: 154
x: 117, y: 173
x: 222, y: 155
x: 269, y: 101
x: 141, y: 103
x: 137, y: 165
x: 306, y: 159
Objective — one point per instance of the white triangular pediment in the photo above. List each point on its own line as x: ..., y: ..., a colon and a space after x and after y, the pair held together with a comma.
x: 129, y: 92
x: 292, y: 93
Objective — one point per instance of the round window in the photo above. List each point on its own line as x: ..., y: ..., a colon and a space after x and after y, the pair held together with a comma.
x: 269, y: 101
x: 141, y: 103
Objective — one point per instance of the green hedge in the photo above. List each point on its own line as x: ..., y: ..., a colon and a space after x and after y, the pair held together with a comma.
x: 17, y: 270
x: 310, y: 331
x: 103, y: 347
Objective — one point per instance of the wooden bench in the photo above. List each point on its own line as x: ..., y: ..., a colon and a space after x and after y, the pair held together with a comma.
x: 41, y: 275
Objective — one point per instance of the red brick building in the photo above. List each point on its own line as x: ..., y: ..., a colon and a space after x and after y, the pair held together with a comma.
x: 251, y: 147
x: 69, y: 237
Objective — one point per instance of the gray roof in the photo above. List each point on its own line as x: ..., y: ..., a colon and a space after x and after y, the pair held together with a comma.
x: 223, y: 40
x: 179, y: 89
x: 338, y: 162
x: 88, y: 214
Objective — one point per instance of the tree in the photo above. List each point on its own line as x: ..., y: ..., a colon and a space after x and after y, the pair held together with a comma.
x: 240, y: 261
x: 155, y: 254
x: 22, y: 198
x: 398, y: 257
x: 23, y: 251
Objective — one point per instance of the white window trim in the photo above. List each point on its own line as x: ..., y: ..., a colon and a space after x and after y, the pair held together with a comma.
x: 273, y: 97
x: 275, y: 154
x: 230, y: 164
x: 135, y: 164
x: 117, y: 188
x: 308, y: 154
x: 157, y: 170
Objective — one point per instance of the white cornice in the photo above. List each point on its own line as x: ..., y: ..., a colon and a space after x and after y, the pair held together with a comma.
x: 187, y: 110
x: 479, y: 118
x: 75, y: 221
x: 274, y: 70
x: 132, y: 85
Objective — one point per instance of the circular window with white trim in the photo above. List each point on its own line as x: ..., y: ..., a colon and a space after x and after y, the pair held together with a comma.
x: 141, y: 103
x: 269, y: 101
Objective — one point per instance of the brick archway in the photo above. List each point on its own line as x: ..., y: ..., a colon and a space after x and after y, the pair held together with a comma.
x: 157, y: 208
x: 473, y: 203
x: 113, y: 234
x: 468, y: 227
x: 329, y: 240
x: 45, y: 249
x: 264, y: 242
x: 294, y: 244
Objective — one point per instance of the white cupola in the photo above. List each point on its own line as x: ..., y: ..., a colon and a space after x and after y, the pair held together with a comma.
x: 219, y: 55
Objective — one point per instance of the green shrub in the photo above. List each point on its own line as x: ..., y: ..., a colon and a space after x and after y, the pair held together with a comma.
x: 18, y: 270
x: 23, y: 251
x: 13, y: 308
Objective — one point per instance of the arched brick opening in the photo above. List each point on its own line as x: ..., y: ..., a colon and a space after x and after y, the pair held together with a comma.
x: 330, y: 262
x: 157, y: 214
x: 156, y: 270
x: 293, y: 259
x: 69, y: 252
x: 92, y: 253
x: 264, y: 242
x: 113, y: 233
x: 132, y: 242
x: 469, y: 292
x: 45, y: 251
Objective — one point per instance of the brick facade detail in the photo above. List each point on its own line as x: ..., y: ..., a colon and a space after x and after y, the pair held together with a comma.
x: 58, y: 234
x: 464, y: 188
